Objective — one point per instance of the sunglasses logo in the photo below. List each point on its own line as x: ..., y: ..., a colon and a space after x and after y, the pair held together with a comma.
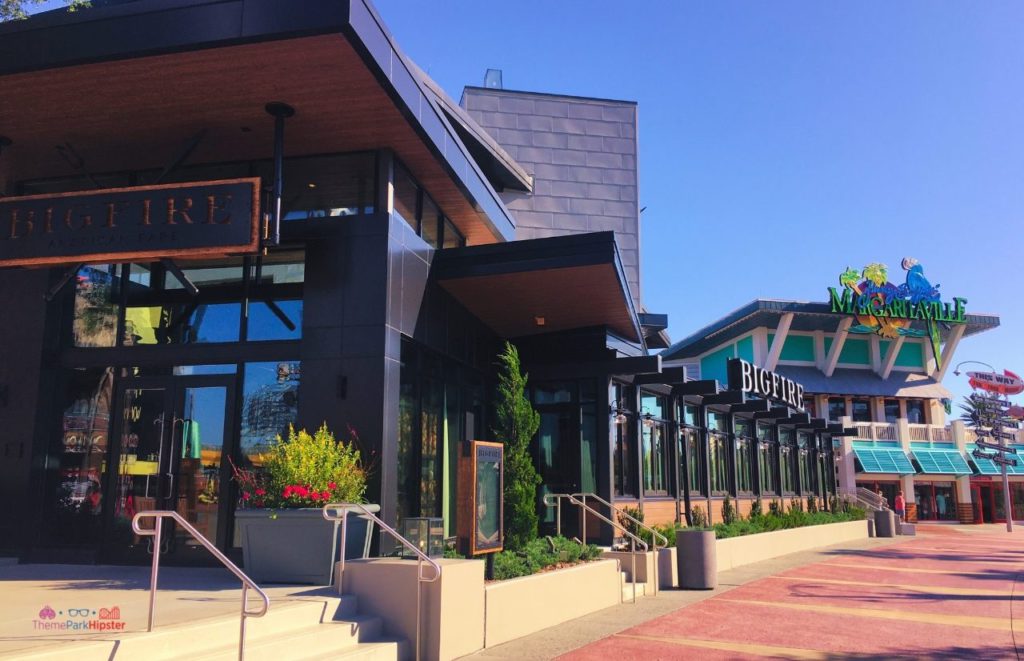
x: 79, y: 612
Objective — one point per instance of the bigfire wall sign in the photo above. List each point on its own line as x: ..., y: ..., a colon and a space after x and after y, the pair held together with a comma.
x: 753, y: 380
x: 199, y: 219
x: 890, y: 310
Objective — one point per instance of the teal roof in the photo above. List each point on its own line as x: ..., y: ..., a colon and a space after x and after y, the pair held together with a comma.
x: 989, y: 467
x: 883, y: 460
x: 942, y: 461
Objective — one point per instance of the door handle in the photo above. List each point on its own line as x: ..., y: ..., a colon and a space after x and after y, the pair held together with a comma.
x: 170, y: 485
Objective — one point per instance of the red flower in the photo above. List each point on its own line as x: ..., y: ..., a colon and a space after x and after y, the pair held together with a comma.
x: 288, y: 492
x: 332, y: 486
x: 246, y: 495
x: 261, y: 492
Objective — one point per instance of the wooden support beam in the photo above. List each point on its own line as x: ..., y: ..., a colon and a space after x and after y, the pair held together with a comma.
x: 890, y: 358
x: 950, y: 347
x: 780, y: 339
x: 837, y: 346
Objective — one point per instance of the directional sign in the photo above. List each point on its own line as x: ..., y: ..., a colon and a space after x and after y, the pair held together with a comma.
x: 994, y: 402
x: 981, y: 454
x: 1006, y: 383
x: 1004, y: 462
x: 1005, y: 435
x: 994, y: 446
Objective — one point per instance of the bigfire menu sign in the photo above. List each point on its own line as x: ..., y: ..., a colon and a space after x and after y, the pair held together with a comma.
x: 480, y: 519
x: 196, y: 219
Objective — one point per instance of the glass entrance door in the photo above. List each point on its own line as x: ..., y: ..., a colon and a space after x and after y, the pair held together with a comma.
x: 173, y: 436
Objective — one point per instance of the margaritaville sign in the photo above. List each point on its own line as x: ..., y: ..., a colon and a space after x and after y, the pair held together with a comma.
x: 199, y: 219
x: 889, y: 310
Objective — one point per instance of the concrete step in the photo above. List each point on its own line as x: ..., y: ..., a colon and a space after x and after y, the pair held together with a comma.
x: 627, y: 588
x: 295, y: 615
x: 314, y: 641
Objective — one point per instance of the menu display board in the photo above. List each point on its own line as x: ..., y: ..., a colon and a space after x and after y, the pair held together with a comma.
x: 481, y: 510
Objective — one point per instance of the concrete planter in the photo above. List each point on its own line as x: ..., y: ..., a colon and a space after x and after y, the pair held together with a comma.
x: 297, y: 546
x: 521, y: 606
x: 738, y: 551
x: 885, y: 523
x: 697, y: 559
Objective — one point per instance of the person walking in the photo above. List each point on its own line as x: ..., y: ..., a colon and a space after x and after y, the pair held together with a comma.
x: 901, y: 506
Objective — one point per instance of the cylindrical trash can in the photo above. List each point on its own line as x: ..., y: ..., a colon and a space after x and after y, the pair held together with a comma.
x: 696, y: 559
x: 885, y: 523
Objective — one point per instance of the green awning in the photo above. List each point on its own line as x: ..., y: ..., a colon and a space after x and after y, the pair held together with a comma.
x: 941, y: 461
x: 883, y: 460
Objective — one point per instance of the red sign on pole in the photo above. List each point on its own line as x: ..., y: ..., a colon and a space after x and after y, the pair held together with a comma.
x: 1006, y: 383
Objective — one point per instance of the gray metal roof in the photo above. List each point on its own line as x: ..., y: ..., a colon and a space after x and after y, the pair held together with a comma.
x: 766, y: 312
x: 865, y: 382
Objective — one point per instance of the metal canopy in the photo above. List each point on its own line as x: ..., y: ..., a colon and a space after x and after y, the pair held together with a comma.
x: 941, y: 462
x: 884, y: 460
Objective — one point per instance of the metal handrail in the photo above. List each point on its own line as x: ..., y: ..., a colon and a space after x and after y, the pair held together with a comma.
x: 157, y: 531
x: 870, y: 499
x: 421, y: 557
x: 655, y: 535
x: 573, y: 500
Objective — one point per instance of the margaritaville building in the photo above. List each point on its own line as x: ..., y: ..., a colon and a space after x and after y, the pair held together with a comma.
x: 871, y: 357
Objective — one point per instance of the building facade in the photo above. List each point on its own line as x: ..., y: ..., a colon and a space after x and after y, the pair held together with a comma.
x: 900, y: 431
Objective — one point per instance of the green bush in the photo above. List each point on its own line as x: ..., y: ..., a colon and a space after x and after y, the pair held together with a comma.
x: 729, y: 514
x: 698, y: 517
x: 796, y: 505
x: 812, y: 504
x: 541, y: 553
x: 755, y: 509
x: 775, y: 508
x: 304, y: 471
x: 795, y: 518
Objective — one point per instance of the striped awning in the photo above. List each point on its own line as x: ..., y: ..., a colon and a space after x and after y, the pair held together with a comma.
x: 876, y: 458
x: 941, y: 461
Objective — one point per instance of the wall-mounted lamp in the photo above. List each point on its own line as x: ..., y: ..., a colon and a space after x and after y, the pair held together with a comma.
x: 647, y: 419
x: 619, y: 413
x: 956, y: 370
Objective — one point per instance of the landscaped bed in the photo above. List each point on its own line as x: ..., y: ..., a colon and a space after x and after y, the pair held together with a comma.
x: 541, y: 555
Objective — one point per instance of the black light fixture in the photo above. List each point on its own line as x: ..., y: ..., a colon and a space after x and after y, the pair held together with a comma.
x: 647, y: 419
x: 956, y: 370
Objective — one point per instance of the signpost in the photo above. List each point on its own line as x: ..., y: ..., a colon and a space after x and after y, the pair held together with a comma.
x: 992, y: 413
x: 479, y: 524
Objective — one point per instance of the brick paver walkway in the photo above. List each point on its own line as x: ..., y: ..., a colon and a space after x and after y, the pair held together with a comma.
x: 948, y: 594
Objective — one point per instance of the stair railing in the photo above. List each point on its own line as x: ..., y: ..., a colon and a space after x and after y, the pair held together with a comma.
x: 655, y: 535
x: 573, y: 500
x: 156, y: 533
x: 871, y: 500
x: 340, y: 511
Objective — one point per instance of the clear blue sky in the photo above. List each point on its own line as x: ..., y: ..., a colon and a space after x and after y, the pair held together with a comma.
x: 781, y: 142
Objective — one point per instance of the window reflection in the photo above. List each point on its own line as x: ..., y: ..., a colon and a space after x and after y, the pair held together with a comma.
x: 270, y: 403
x: 96, y: 307
x: 182, y: 323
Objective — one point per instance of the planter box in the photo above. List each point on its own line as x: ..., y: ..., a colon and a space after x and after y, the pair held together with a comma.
x: 739, y: 551
x: 668, y: 568
x: 297, y: 546
x: 522, y: 606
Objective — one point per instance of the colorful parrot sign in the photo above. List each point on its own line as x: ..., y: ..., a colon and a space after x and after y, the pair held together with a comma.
x: 889, y: 310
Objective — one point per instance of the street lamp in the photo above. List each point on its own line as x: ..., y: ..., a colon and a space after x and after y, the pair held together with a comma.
x: 956, y: 370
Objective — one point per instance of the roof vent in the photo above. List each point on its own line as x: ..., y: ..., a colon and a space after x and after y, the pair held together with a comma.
x: 492, y: 79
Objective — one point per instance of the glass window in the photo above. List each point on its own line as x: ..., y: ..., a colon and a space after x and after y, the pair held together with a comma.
x: 718, y: 444
x: 275, y: 320
x: 810, y: 406
x: 805, y: 468
x: 861, y: 410
x: 915, y: 411
x: 892, y: 410
x: 836, y: 408
x: 182, y: 323
x: 96, y: 306
x: 406, y: 194
x: 653, y: 445
x: 325, y: 186
x: 207, y: 274
x: 270, y: 404
x: 430, y: 223
x: 767, y: 464
x: 691, y: 450
x: 553, y: 393
x: 625, y: 471
x: 744, y: 451
x: 73, y: 496
x: 789, y: 460
x: 452, y: 236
